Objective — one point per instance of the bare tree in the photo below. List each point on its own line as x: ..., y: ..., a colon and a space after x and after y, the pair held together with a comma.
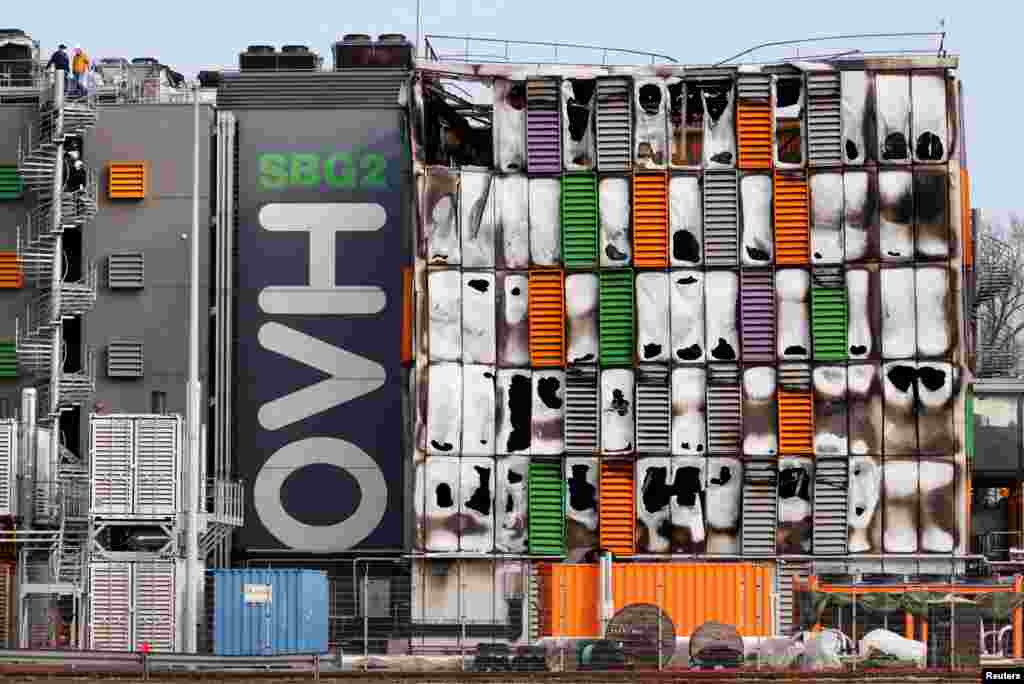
x: 999, y: 293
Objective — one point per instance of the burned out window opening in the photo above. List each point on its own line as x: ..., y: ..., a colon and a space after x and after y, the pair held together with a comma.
x: 458, y: 125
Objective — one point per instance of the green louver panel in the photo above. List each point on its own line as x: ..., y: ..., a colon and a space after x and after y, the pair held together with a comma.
x: 579, y: 220
x: 546, y: 511
x: 616, y: 322
x: 829, y: 323
x: 8, y: 360
x: 10, y: 182
x: 969, y: 426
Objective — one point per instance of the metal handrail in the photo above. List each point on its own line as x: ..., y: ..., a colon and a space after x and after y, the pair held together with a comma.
x: 846, y: 36
x: 653, y: 56
x: 145, y: 663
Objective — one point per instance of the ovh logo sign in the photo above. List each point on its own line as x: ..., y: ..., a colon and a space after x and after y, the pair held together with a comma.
x: 351, y: 376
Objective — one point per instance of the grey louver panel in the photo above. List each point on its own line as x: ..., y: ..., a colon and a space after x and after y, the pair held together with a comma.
x: 614, y: 124
x: 126, y: 271
x: 156, y: 450
x: 8, y: 457
x: 721, y: 219
x: 759, y: 502
x: 125, y: 359
x: 653, y: 410
x: 789, y: 571
x: 543, y: 128
x: 795, y: 376
x: 831, y: 480
x: 353, y: 88
x: 581, y: 411
x: 754, y: 86
x: 828, y: 276
x: 724, y: 414
x: 824, y: 127
x: 757, y: 304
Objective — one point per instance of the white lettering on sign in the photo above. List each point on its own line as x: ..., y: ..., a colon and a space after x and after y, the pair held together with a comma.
x: 258, y: 593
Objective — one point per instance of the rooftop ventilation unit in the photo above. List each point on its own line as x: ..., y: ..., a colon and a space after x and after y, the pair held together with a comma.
x: 258, y: 58
x: 209, y: 79
x: 297, y: 58
x: 357, y: 50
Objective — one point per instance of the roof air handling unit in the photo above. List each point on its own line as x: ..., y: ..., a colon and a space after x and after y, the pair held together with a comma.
x: 358, y: 50
x: 258, y: 58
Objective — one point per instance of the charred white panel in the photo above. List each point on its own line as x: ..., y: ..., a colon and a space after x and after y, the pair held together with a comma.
x: 545, y: 221
x: 686, y: 220
x: 479, y: 325
x: 860, y: 215
x: 477, y: 219
x: 653, y: 317
x: 687, y: 304
x: 614, y: 206
x: 513, y: 325
x: 478, y: 410
x: 722, y: 291
x: 864, y: 312
x: 689, y: 412
x: 898, y: 382
x: 931, y: 214
x: 901, y: 496
x: 581, y: 296
x: 931, y: 126
x: 513, y: 409
x: 419, y: 501
x: 444, y: 409
x: 442, y: 496
x: 514, y: 221
x: 439, y: 209
x: 858, y: 128
x: 827, y: 218
x: 650, y: 123
x: 509, y: 118
x: 476, y: 509
x: 756, y: 200
x: 724, y: 498
x: 653, y: 511
x: 577, y: 124
x: 865, y: 408
x: 899, y: 326
x: 896, y: 215
x: 938, y: 484
x: 511, y: 504
x: 865, y: 509
x: 796, y: 494
x: 719, y: 125
x: 830, y: 431
x: 892, y: 109
x: 937, y: 390
x: 760, y: 419
x: 477, y: 600
x: 444, y: 288
x: 792, y: 288
x: 936, y: 315
x: 548, y: 412
x: 687, y: 504
x: 581, y: 506
x: 617, y: 424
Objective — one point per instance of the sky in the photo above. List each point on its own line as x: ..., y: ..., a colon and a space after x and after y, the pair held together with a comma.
x: 190, y: 35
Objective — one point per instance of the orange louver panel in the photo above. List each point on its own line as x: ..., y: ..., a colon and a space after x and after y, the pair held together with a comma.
x: 796, y: 423
x: 650, y: 220
x: 407, y: 314
x: 790, y: 204
x: 126, y: 180
x: 11, y: 275
x: 616, y: 505
x: 547, y: 319
x: 966, y: 228
x: 754, y: 134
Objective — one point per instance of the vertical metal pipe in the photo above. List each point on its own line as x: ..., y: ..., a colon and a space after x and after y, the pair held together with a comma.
x: 366, y: 619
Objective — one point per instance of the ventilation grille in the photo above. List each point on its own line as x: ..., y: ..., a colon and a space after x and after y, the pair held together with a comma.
x: 831, y: 478
x: 581, y: 411
x: 828, y: 322
x: 759, y: 503
x: 126, y: 271
x: 8, y: 360
x: 724, y: 418
x: 796, y: 422
x: 545, y: 515
x: 616, y: 506
x: 824, y: 127
x: 110, y: 607
x: 724, y: 373
x: 8, y: 457
x: 650, y: 220
x: 787, y: 612
x: 11, y: 187
x: 755, y: 87
x: 543, y: 144
x: 757, y: 304
x: 790, y: 201
x: 721, y: 219
x: 579, y: 220
x: 754, y: 134
x: 653, y: 411
x: 124, y: 359
x: 11, y: 275
x: 155, y: 619
x: 795, y: 376
x: 616, y: 318
x: 547, y: 319
x: 614, y: 127
x: 126, y: 180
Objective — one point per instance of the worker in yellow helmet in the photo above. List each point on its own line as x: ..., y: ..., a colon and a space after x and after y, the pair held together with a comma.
x: 80, y: 68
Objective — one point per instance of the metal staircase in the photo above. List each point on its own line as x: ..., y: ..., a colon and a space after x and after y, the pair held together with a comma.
x: 72, y: 551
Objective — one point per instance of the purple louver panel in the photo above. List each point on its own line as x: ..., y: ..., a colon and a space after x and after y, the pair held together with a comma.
x: 543, y: 130
x: 757, y: 315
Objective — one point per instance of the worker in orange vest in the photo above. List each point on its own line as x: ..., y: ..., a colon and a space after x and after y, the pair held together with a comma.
x: 80, y: 68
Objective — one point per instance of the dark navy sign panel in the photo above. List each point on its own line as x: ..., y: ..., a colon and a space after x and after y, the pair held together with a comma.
x: 320, y: 250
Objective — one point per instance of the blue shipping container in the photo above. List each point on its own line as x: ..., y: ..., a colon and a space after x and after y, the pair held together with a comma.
x: 269, y: 612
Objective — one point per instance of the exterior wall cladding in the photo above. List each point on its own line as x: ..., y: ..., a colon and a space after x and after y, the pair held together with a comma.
x: 702, y: 314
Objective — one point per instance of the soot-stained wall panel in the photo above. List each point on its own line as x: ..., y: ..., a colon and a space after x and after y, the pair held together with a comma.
x: 864, y: 313
x: 513, y: 203
x: 937, y: 331
x: 723, y: 497
x: 581, y: 505
x: 509, y: 125
x: 865, y: 504
x: 510, y: 504
x: 930, y: 118
x: 721, y: 292
x: 898, y: 390
x: 614, y: 206
x: 479, y: 331
x: 899, y: 319
x: 444, y: 408
x: 545, y: 221
x: 796, y: 494
x: 901, y: 497
x: 441, y: 496
x: 760, y: 417
x: 861, y: 220
x: 689, y: 417
x: 678, y: 154
x: 650, y: 132
x: 439, y: 216
x: 858, y: 120
x: 827, y: 218
x: 931, y: 214
x: 939, y: 481
x: 513, y: 324
x: 577, y: 124
x: 687, y: 314
x: 938, y: 385
x: 653, y: 511
x: 476, y: 507
x: 688, y: 504
x: 864, y: 395
x: 653, y: 296
x: 892, y: 109
x: 756, y: 205
x: 477, y: 218
x: 513, y: 406
x: 719, y: 125
x: 830, y: 414
x: 444, y: 290
x: 581, y: 299
x: 617, y: 421
x: 686, y: 221
x: 478, y: 407
x: 548, y: 413
x: 896, y: 215
x: 792, y: 288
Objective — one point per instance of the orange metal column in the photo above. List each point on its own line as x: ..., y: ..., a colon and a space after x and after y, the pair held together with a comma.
x: 1018, y: 621
x: 908, y: 625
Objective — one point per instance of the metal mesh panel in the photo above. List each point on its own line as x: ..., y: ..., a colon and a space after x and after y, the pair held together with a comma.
x: 831, y: 480
x: 543, y: 142
x: 721, y: 219
x: 581, y: 411
x: 824, y: 124
x: 759, y: 506
x: 614, y: 124
x: 757, y: 307
x: 653, y: 410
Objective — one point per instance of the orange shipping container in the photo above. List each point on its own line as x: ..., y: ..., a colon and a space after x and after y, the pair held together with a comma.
x: 691, y: 593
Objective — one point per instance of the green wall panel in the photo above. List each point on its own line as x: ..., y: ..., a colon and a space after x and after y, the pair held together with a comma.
x: 828, y: 322
x: 546, y: 514
x: 579, y: 220
x: 616, y: 318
